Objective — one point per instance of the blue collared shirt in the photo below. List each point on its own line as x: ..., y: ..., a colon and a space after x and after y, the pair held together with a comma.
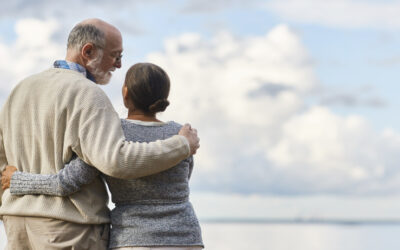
x: 63, y: 64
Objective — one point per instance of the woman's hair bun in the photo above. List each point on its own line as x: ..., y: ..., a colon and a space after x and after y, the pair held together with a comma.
x: 159, y: 106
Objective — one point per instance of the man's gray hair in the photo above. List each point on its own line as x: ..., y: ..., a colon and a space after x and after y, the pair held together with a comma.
x: 82, y: 34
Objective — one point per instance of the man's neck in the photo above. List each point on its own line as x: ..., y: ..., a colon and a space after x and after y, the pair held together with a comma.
x: 73, y: 57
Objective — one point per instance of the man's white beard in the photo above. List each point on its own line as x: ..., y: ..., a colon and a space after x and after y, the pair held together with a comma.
x: 93, y: 66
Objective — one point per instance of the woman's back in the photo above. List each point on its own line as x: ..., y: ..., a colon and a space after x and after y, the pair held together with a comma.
x: 153, y: 210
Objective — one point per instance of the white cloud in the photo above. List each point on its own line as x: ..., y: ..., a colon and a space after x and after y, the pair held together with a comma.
x: 220, y: 75
x: 247, y: 98
x: 214, y: 5
x: 33, y: 51
x: 340, y: 13
x: 344, y: 152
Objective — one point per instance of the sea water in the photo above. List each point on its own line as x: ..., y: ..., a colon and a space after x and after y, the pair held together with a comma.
x: 293, y: 236
x: 301, y: 236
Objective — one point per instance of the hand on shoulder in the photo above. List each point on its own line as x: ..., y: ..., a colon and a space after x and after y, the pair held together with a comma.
x: 191, y: 135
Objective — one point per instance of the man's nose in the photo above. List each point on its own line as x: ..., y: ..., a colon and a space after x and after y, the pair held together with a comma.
x: 118, y: 63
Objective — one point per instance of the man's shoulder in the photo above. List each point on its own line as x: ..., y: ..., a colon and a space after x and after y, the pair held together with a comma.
x: 67, y: 86
x: 59, y: 77
x: 74, y: 82
x: 68, y: 76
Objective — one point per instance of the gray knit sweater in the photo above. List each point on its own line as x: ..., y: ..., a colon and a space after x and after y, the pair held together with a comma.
x: 149, y: 211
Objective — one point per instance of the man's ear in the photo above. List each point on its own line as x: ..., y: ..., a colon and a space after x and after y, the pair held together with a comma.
x: 88, y: 51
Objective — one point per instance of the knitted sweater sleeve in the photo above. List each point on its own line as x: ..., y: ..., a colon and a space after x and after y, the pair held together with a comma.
x: 67, y: 181
x: 101, y: 143
x: 191, y: 164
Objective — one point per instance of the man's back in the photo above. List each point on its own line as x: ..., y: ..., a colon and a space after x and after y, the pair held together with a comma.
x: 39, y: 128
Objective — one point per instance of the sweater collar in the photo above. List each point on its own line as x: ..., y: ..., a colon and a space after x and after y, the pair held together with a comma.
x: 63, y: 64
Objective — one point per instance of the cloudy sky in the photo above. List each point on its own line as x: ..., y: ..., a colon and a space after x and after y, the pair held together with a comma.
x: 296, y: 101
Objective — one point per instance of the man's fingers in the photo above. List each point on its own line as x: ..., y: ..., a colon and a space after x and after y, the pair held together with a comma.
x: 192, y: 137
x: 196, y: 146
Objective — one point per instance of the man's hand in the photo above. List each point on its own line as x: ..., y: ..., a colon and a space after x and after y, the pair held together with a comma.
x: 6, y: 176
x: 191, y: 135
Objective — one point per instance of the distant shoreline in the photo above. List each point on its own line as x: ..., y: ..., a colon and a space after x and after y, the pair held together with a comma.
x: 302, y: 221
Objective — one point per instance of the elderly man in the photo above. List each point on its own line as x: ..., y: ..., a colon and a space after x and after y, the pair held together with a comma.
x: 58, y: 112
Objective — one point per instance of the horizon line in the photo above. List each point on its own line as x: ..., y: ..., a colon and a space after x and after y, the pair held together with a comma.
x: 327, y: 221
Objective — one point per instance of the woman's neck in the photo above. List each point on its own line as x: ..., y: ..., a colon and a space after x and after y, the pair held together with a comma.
x: 137, y: 115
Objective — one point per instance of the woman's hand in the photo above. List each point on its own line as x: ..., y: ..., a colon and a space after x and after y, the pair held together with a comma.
x: 6, y: 176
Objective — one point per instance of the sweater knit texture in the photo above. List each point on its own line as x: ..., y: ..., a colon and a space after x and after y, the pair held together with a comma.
x: 149, y: 211
x: 58, y: 112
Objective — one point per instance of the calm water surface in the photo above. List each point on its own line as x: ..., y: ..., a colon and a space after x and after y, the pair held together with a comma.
x: 243, y: 236
x: 301, y: 237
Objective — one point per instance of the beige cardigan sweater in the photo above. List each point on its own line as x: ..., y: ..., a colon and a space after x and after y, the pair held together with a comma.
x: 50, y: 115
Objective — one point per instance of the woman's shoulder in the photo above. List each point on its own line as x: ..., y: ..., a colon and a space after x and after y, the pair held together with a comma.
x: 174, y: 124
x: 144, y: 131
x: 154, y: 125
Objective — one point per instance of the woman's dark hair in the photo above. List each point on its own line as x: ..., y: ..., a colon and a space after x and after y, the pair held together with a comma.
x: 148, y: 87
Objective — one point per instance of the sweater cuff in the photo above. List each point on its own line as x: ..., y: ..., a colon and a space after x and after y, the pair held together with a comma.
x: 24, y: 183
x: 186, y: 143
